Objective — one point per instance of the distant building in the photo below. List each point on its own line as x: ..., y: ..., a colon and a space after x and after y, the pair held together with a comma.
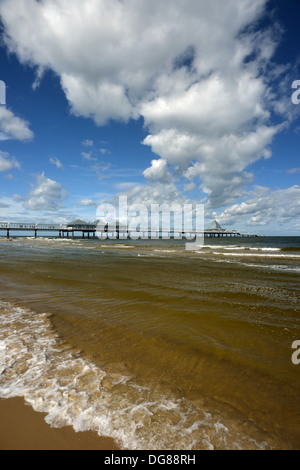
x: 98, y: 225
x: 80, y: 225
x: 215, y: 230
x: 215, y: 227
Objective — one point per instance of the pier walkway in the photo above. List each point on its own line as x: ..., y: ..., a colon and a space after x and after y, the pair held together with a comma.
x: 10, y: 230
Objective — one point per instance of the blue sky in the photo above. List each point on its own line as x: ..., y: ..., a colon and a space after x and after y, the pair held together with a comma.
x: 180, y: 101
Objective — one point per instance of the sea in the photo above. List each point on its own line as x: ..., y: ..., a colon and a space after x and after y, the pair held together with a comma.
x: 157, y: 346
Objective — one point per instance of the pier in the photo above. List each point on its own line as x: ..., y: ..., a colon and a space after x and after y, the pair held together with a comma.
x: 53, y: 230
x: 94, y: 230
x: 215, y: 230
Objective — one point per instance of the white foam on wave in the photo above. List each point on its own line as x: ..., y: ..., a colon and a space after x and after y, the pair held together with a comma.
x: 241, y: 248
x: 259, y: 255
x: 118, y: 246
x: 166, y: 251
x: 73, y: 391
x: 275, y: 267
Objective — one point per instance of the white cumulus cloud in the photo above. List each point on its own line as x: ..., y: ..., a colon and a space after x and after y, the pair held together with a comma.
x: 55, y: 161
x: 8, y: 163
x: 46, y: 195
x: 158, y: 171
x: 13, y: 127
x: 198, y: 72
x: 87, y: 203
x: 262, y: 206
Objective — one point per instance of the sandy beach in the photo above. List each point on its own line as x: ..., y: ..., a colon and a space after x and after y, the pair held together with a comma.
x: 21, y: 428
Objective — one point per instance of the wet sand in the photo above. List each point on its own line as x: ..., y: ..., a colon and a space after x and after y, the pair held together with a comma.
x: 21, y: 428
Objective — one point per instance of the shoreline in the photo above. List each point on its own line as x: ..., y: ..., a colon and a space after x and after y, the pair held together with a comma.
x: 22, y: 428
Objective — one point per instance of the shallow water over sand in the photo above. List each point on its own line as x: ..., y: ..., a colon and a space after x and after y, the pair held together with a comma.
x: 156, y: 346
